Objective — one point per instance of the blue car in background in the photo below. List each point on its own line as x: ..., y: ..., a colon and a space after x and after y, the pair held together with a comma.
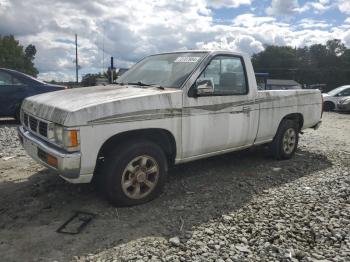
x: 16, y: 86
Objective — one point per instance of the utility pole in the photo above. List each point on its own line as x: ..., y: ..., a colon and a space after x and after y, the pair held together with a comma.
x: 76, y: 58
x: 103, y: 50
x: 112, y: 67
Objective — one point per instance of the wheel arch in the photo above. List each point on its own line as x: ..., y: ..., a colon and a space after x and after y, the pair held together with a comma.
x: 296, y: 117
x: 329, y: 105
x: 162, y: 137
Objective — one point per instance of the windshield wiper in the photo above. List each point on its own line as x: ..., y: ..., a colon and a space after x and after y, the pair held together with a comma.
x: 144, y: 84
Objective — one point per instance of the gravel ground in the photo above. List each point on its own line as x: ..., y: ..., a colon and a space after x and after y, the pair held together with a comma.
x: 9, y: 144
x: 243, y: 206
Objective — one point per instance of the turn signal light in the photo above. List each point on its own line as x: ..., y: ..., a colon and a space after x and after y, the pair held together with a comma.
x: 74, y: 141
x: 52, y: 161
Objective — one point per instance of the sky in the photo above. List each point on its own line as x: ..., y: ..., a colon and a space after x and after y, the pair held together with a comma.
x: 130, y: 30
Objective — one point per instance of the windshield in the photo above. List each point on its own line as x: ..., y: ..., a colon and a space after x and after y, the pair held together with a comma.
x: 165, y: 70
x: 337, y: 90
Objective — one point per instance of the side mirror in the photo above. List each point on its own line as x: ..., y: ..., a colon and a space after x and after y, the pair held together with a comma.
x: 204, y: 87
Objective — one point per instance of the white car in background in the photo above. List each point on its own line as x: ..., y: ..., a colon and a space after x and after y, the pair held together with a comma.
x: 332, y: 98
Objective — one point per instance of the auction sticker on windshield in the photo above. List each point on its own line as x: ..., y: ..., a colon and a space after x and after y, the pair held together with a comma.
x: 187, y: 59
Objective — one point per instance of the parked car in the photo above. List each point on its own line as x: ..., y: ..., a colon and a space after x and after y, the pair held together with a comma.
x: 282, y: 84
x: 344, y: 104
x: 167, y: 109
x: 332, y: 98
x: 16, y: 86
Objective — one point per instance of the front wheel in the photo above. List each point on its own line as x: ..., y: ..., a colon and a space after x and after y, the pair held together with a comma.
x: 134, y: 173
x: 286, y: 140
x: 328, y: 106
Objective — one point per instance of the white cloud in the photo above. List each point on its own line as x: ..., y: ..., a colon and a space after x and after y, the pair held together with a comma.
x: 312, y: 23
x: 317, y: 7
x: 228, y: 3
x: 291, y: 7
x: 249, y: 20
x: 282, y: 7
x: 344, y: 6
x: 129, y: 30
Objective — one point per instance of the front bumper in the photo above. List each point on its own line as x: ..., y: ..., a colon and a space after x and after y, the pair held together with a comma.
x: 66, y: 164
x: 343, y: 107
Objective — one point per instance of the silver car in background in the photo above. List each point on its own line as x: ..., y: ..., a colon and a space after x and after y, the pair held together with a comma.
x: 344, y: 104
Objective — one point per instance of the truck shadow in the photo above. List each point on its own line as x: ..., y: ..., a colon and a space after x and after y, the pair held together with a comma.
x: 195, y: 193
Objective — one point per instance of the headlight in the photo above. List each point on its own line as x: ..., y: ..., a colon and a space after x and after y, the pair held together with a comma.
x: 58, y: 133
x: 69, y: 139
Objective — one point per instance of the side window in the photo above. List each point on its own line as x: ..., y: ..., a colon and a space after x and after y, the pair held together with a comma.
x: 5, y: 79
x: 15, y: 81
x: 227, y: 74
x: 345, y: 92
x: 8, y: 80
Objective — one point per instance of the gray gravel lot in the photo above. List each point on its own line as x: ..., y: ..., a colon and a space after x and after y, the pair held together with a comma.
x: 243, y: 206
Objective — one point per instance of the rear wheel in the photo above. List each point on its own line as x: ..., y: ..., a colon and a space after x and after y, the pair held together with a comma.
x: 286, y: 140
x: 328, y: 106
x: 134, y: 173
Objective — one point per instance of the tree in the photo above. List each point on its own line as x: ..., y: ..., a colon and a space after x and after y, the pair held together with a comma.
x: 14, y: 57
x: 318, y: 55
x: 276, y: 57
x: 30, y: 52
x: 318, y: 64
x: 346, y: 58
x: 335, y: 47
x: 90, y: 79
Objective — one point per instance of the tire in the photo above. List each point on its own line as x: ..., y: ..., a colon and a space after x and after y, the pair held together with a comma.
x: 124, y: 174
x: 286, y: 140
x: 328, y: 106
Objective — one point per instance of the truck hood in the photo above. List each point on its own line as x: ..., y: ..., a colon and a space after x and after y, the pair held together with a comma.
x: 99, y: 104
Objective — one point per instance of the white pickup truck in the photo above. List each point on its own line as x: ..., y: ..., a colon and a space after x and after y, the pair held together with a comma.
x: 167, y: 109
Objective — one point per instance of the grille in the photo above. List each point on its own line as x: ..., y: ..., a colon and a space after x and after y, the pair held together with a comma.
x: 35, y: 125
x: 25, y: 119
x: 43, y: 129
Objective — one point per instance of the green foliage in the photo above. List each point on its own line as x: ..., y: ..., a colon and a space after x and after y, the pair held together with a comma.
x: 318, y: 64
x: 14, y: 57
x: 90, y: 79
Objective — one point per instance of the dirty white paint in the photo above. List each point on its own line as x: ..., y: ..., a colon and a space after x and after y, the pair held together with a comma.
x: 202, y: 126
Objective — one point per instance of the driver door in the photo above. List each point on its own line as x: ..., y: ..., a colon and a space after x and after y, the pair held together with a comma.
x: 225, y: 119
x: 342, y: 94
